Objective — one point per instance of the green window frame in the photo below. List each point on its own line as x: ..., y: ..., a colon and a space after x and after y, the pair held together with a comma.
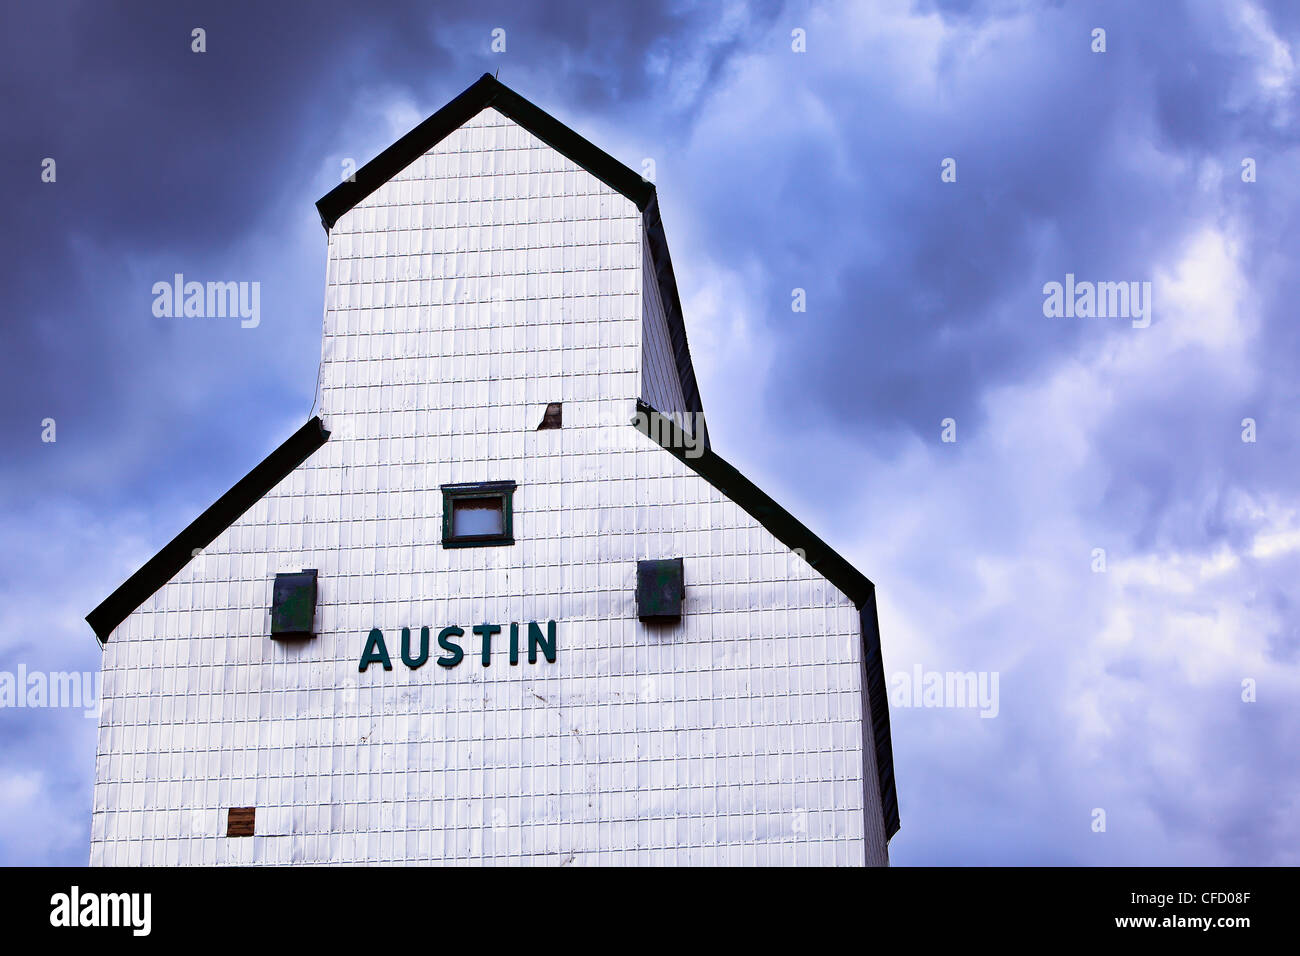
x: 478, y: 493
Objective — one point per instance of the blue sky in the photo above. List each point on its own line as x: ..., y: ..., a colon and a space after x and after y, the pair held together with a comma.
x: 1120, y: 690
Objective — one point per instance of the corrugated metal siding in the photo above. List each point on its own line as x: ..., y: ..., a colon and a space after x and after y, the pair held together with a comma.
x: 490, y: 278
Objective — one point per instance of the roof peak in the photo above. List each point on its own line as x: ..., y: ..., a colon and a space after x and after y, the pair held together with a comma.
x: 486, y: 91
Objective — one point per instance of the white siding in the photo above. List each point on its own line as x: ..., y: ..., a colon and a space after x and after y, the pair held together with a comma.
x: 661, y: 386
x: 489, y: 278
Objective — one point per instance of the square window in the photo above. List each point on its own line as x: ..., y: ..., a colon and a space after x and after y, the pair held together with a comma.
x: 475, y: 517
x: 478, y: 514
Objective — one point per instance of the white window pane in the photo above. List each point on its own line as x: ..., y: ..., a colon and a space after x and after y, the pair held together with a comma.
x: 473, y: 516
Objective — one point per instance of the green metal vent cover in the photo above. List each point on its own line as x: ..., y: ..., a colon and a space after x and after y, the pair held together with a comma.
x: 293, y: 604
x: 660, y: 587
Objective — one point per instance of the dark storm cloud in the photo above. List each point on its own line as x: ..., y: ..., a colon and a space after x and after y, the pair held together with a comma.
x: 1069, y: 161
x: 1113, y: 166
x: 208, y: 165
x: 171, y: 161
x: 935, y: 289
x: 818, y: 171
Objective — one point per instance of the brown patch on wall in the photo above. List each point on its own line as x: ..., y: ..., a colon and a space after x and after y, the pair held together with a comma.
x: 553, y: 418
x: 239, y: 821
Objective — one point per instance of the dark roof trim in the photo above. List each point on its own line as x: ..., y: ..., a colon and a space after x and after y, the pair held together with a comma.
x: 663, y: 265
x: 488, y: 91
x: 164, y: 565
x: 791, y: 532
x: 821, y: 556
x: 485, y: 92
x: 873, y: 666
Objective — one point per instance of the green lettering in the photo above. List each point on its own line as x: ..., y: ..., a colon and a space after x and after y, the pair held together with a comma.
x: 487, y: 630
x: 415, y: 662
x: 456, y: 653
x: 376, y: 652
x: 535, y: 640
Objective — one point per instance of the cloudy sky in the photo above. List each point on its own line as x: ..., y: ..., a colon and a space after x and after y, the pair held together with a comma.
x: 1156, y: 679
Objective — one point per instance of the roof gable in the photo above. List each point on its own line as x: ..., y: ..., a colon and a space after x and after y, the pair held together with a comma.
x: 204, y: 529
x: 824, y: 559
x: 486, y: 92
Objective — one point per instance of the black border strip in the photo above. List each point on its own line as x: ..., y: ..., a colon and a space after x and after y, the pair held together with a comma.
x: 873, y: 664
x: 335, y: 203
x: 484, y: 92
x: 794, y: 534
x: 789, y: 529
x: 488, y: 91
x: 164, y: 565
x: 663, y: 266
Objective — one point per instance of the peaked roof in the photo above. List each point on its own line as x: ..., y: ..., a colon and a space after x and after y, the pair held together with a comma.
x: 824, y: 559
x: 203, y: 530
x: 486, y: 92
x: 300, y: 446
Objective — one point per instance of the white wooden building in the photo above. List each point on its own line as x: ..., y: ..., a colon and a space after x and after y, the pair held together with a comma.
x: 657, y: 663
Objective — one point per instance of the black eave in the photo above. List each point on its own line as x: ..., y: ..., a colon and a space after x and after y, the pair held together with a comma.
x: 794, y: 534
x: 164, y: 565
